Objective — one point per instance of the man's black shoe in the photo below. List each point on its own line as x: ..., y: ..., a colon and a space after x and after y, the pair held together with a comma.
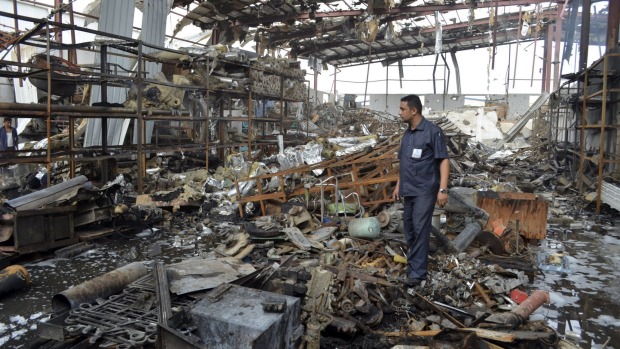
x: 411, y: 282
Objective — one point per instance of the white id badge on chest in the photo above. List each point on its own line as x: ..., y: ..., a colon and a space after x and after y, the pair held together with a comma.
x: 417, y: 153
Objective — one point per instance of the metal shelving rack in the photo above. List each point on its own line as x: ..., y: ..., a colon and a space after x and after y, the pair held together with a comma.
x: 251, y: 96
x: 563, y: 128
x: 606, y: 156
x: 130, y: 48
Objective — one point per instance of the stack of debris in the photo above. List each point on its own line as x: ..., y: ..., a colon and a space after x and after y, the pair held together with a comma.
x: 307, y: 247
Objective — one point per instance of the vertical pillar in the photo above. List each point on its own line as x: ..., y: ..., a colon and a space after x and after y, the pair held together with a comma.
x: 140, y: 123
x: 548, y: 57
x: 387, y: 82
x: 104, y: 120
x: 556, y: 55
x: 613, y: 21
x: 585, y: 34
x: 543, y: 85
x: 58, y: 18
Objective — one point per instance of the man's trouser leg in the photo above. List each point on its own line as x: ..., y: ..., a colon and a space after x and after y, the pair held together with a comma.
x: 417, y: 222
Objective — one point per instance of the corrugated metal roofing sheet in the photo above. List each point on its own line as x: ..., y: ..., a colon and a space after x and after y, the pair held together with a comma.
x: 116, y: 18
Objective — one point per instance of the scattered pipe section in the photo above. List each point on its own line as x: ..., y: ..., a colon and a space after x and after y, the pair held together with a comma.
x: 102, y: 286
x: 521, y: 313
x: 13, y: 278
x: 467, y: 236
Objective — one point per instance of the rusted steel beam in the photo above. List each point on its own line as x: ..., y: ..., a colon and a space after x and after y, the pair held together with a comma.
x: 584, y: 42
x: 612, y: 25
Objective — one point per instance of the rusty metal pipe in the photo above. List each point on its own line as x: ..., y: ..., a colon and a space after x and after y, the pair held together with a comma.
x: 521, y: 313
x: 13, y: 278
x: 76, y: 109
x: 102, y: 286
x: 467, y: 236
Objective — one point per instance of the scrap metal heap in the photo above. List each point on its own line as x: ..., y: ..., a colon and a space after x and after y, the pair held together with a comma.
x: 318, y: 254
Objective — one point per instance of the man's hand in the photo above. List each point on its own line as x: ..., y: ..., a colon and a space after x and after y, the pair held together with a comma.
x: 442, y: 199
x: 396, y: 193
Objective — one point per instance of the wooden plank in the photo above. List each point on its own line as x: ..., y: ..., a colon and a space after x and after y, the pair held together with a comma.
x: 428, y: 333
x: 492, y: 335
x: 94, y: 234
x: 46, y: 211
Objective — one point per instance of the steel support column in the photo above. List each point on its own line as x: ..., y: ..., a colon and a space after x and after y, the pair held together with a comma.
x: 613, y: 22
x: 548, y: 58
x: 585, y: 34
x: 556, y: 54
x: 456, y: 71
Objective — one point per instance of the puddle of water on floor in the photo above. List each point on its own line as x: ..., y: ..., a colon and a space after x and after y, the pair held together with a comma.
x: 585, y: 303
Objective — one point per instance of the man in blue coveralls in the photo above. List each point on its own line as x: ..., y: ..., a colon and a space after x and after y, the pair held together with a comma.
x: 423, y: 181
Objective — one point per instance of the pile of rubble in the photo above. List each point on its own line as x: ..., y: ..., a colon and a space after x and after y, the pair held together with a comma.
x: 306, y: 246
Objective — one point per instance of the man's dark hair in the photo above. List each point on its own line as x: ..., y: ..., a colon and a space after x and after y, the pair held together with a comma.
x: 413, y: 101
x: 8, y: 119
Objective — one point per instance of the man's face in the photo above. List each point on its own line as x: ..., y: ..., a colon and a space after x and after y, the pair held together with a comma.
x: 406, y: 113
x: 7, y: 123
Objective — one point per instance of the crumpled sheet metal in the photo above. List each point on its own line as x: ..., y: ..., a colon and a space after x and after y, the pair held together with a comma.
x: 292, y: 157
x: 357, y: 147
x: 299, y: 239
x: 298, y: 156
x: 499, y: 284
x: 199, y: 274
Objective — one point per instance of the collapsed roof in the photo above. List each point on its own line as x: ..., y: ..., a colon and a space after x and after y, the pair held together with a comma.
x: 349, y: 32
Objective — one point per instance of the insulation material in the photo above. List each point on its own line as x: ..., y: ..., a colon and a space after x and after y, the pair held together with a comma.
x: 153, y: 32
x: 116, y: 18
x: 438, y: 33
x: 25, y: 92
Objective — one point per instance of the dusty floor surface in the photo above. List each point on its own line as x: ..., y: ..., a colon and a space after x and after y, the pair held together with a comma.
x: 585, y: 302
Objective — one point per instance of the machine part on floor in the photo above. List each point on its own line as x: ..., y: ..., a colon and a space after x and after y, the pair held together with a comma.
x: 392, y: 219
x: 467, y: 236
x: 436, y: 222
x: 13, y: 278
x: 443, y: 241
x: 502, y: 241
x: 344, y: 326
x: 240, y: 311
x: 384, y: 218
x: 365, y: 228
x: 477, y: 212
x: 102, y: 286
x: 313, y: 335
x: 318, y: 295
